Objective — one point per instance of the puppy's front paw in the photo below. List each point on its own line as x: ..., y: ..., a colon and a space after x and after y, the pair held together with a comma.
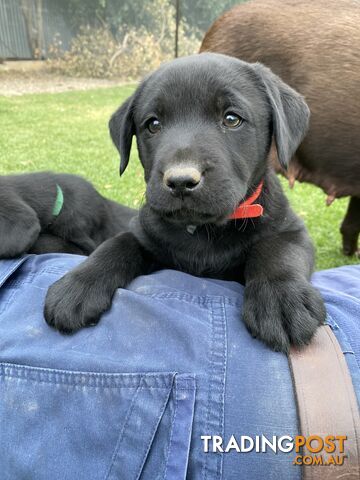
x: 282, y: 312
x: 74, y: 302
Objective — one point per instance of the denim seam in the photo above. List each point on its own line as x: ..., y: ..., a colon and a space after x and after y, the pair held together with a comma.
x: 223, y: 366
x: 172, y: 431
x: 29, y: 278
x: 156, y: 426
x: 224, y: 376
x: 202, y: 300
x: 152, y: 433
x: 84, y: 385
x: 73, y: 385
x: 15, y: 264
x: 118, y: 443
x: 68, y: 377
x: 204, y: 470
x: 341, y: 336
x: 180, y: 440
x: 24, y: 281
x: 331, y: 322
x: 215, y: 408
x: 77, y: 372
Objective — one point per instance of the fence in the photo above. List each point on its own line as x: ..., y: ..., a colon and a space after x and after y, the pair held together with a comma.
x: 28, y: 27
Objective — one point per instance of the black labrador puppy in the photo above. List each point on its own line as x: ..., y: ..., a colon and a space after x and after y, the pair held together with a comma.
x: 47, y: 212
x: 204, y: 125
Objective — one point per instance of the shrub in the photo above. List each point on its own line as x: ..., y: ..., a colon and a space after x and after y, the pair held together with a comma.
x: 129, y: 53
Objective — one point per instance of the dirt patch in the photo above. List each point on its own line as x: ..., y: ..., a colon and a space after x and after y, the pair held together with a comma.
x: 21, y: 82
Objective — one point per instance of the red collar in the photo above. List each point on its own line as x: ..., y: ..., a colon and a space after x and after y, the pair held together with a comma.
x: 249, y: 209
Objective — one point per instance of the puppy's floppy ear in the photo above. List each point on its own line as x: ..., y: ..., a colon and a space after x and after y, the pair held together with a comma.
x: 290, y: 114
x: 122, y: 129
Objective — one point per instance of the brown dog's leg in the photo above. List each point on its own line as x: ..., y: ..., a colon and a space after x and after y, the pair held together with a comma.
x: 350, y: 227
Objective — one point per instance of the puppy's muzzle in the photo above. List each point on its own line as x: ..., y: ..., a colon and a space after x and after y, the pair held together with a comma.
x: 182, y: 180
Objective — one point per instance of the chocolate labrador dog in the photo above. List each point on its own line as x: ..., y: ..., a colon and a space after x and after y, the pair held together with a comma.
x: 285, y: 36
x: 49, y: 212
x: 204, y: 125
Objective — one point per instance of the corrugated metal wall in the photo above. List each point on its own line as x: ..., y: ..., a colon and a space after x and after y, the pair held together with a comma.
x: 13, y: 37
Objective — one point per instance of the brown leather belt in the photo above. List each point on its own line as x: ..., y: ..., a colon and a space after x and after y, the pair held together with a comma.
x: 327, y: 403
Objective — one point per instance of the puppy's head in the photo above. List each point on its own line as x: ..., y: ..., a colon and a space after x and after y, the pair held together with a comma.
x: 204, y: 126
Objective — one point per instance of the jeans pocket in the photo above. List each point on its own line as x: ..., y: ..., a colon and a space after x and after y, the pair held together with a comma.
x: 61, y: 424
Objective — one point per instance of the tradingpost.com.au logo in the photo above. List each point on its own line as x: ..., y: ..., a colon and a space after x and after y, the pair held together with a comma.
x: 312, y: 450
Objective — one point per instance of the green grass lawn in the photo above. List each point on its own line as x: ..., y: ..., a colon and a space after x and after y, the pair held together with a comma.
x: 67, y: 132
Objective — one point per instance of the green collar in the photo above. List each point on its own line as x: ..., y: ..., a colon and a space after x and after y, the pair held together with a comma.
x: 59, y: 202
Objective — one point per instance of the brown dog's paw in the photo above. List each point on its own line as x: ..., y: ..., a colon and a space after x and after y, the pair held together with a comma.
x: 283, y: 313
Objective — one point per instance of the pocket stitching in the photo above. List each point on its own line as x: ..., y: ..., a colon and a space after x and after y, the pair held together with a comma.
x: 156, y: 426
x: 121, y: 435
x: 171, y: 434
x: 76, y: 378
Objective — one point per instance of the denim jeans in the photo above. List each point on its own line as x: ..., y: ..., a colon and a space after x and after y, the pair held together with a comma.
x: 130, y: 398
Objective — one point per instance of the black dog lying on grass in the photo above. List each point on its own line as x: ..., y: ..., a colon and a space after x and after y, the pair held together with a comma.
x: 204, y: 125
x: 48, y: 212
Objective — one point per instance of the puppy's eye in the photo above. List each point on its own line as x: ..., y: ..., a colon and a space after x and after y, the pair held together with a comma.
x: 231, y: 120
x: 153, y: 125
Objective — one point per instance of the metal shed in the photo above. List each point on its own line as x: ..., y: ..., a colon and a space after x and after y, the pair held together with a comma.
x: 14, y: 35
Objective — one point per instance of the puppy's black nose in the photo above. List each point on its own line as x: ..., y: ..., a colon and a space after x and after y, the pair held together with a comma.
x: 182, y: 180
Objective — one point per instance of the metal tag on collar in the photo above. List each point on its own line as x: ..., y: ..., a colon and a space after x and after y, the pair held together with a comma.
x: 191, y: 229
